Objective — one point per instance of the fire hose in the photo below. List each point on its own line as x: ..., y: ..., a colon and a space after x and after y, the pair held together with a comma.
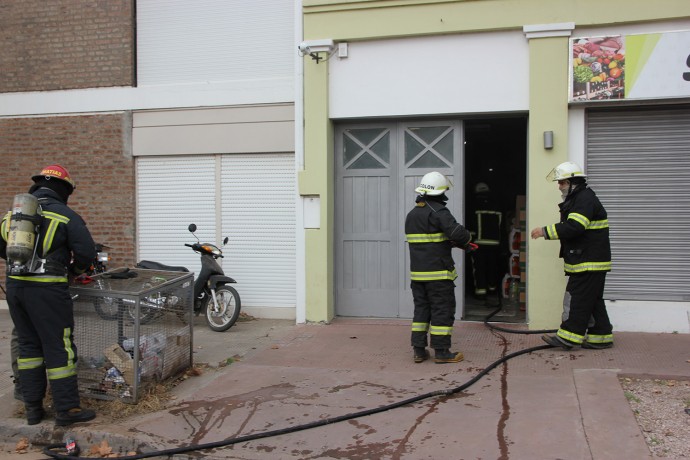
x: 50, y: 450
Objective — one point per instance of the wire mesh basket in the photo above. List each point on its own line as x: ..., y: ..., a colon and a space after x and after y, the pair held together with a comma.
x: 132, y: 332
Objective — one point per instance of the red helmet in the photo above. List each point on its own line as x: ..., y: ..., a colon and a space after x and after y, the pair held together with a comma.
x: 56, y: 171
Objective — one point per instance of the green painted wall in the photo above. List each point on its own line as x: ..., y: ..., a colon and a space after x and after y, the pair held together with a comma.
x: 317, y: 179
x: 548, y: 112
x: 359, y: 20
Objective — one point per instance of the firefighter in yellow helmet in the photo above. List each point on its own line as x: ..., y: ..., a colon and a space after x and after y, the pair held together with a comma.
x: 432, y: 232
x: 39, y: 299
x: 583, y: 231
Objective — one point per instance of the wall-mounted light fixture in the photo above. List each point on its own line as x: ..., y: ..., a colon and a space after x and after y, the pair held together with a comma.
x: 548, y: 140
x: 318, y: 50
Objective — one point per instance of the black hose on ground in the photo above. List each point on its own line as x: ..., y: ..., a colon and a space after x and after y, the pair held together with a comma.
x: 512, y: 331
x: 49, y: 450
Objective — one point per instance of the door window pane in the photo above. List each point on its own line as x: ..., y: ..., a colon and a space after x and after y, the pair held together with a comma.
x: 366, y: 148
x: 429, y: 147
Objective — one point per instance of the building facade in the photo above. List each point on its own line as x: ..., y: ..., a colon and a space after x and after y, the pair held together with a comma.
x: 300, y: 129
x: 165, y: 112
x: 489, y: 91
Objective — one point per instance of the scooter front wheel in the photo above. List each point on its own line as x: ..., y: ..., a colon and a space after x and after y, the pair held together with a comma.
x: 228, y: 311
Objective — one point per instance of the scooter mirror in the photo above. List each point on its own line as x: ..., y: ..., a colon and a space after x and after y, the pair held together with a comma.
x: 192, y: 228
x: 225, y: 241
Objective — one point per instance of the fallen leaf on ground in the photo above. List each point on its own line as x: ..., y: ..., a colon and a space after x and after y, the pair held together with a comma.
x: 21, y: 446
x: 103, y: 449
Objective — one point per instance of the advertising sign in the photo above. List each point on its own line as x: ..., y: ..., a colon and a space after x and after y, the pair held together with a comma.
x: 643, y: 66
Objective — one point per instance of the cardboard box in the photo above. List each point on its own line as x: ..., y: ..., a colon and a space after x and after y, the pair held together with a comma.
x: 122, y: 361
x: 176, y: 354
x: 520, y: 205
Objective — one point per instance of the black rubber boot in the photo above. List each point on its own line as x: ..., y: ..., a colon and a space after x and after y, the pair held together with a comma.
x: 556, y: 341
x: 74, y: 415
x: 34, y: 412
x: 443, y: 356
x: 420, y: 354
x: 597, y: 346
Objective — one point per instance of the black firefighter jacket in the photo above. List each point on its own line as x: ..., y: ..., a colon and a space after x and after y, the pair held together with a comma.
x: 432, y: 232
x: 583, y: 232
x: 64, y: 240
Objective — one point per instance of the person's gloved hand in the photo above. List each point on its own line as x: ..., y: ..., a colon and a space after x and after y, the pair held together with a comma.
x: 82, y: 279
x: 471, y: 247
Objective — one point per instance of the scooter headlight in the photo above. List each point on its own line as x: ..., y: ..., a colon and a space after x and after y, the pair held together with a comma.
x: 211, y: 249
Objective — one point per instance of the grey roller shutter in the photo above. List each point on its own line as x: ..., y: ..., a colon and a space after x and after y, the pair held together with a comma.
x: 638, y: 163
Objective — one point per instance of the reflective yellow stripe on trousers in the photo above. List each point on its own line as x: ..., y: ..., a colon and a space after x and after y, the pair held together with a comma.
x: 70, y: 369
x: 440, y: 330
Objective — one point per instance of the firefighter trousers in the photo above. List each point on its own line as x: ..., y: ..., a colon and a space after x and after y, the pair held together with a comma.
x: 584, y: 309
x: 485, y: 269
x: 434, y: 313
x: 44, y: 319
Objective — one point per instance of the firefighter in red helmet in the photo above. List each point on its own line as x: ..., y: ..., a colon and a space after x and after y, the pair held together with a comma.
x: 39, y: 299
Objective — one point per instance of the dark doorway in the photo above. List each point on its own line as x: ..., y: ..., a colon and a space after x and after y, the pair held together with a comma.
x: 496, y: 155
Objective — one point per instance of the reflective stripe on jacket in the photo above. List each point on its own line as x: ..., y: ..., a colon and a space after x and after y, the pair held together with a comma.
x: 488, y: 227
x: 430, y: 228
x: 583, y: 232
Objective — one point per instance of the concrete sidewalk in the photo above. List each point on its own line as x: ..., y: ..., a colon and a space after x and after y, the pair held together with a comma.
x: 548, y: 404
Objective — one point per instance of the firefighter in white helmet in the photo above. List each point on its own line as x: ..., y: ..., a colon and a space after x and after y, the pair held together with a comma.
x: 583, y: 231
x: 432, y: 232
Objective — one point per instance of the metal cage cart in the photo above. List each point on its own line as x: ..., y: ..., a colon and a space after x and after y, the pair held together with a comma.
x: 132, y: 332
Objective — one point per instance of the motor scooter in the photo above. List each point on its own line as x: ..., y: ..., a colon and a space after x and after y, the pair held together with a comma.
x: 213, y: 296
x: 106, y: 307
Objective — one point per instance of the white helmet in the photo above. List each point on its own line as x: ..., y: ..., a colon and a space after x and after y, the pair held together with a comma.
x: 565, y: 171
x: 481, y: 187
x: 433, y: 183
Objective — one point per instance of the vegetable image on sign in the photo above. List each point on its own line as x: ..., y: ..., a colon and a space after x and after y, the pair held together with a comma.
x: 598, y: 68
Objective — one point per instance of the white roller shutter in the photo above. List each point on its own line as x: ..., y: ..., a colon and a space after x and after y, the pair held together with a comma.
x: 173, y: 192
x: 258, y: 214
x: 254, y: 203
x: 638, y: 162
x: 211, y: 41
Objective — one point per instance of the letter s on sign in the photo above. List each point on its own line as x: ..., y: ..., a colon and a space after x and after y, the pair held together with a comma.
x: 686, y: 75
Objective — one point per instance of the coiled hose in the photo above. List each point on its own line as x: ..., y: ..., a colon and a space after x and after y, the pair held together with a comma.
x: 50, y: 449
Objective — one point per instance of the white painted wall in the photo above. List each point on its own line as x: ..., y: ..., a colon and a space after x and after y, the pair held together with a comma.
x: 475, y: 73
x: 50, y: 103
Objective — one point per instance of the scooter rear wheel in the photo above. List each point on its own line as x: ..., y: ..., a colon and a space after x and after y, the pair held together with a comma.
x: 228, y: 309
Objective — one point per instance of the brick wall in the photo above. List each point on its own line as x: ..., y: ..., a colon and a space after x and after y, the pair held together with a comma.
x: 96, y: 150
x: 66, y: 44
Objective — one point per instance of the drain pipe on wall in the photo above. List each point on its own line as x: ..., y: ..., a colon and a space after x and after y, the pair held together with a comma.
x: 300, y: 255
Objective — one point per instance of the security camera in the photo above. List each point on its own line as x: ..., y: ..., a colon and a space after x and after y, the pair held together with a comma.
x: 303, y: 48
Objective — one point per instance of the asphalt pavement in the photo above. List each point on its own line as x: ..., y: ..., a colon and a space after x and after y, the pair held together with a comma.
x: 341, y: 391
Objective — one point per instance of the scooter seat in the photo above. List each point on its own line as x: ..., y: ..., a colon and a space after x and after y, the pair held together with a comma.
x: 151, y: 265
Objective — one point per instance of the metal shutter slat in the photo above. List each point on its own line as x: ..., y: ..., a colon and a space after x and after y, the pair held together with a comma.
x: 638, y: 162
x: 173, y: 192
x: 258, y: 215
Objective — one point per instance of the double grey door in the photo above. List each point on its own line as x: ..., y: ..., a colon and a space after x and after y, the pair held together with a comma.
x: 378, y: 166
